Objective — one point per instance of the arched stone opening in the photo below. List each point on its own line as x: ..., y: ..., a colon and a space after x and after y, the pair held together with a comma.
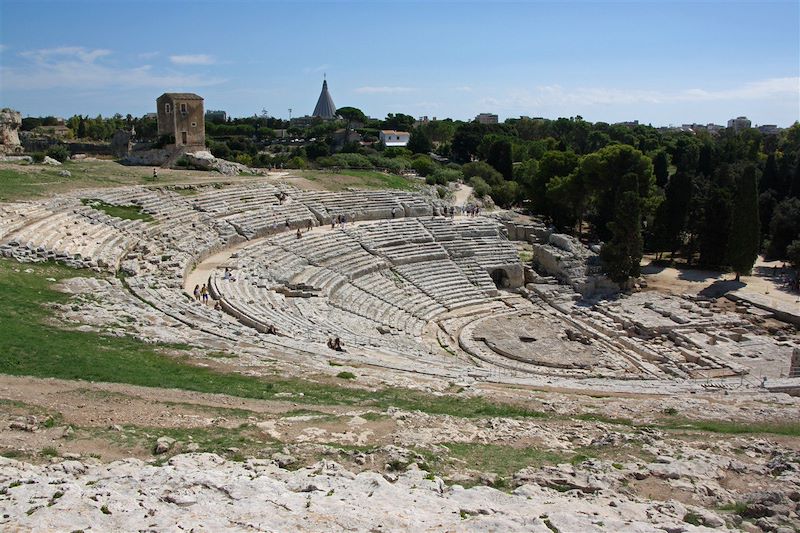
x: 500, y: 278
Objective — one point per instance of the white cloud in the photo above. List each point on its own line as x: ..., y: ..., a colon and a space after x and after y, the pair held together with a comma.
x: 79, y: 53
x: 78, y: 68
x: 384, y: 90
x: 192, y: 59
x: 557, y: 95
x: 148, y: 55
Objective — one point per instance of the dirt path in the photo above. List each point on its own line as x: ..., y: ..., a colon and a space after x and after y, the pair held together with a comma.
x: 765, y: 281
x: 462, y: 194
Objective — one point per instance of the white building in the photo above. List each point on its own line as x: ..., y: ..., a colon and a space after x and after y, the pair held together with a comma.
x: 392, y: 138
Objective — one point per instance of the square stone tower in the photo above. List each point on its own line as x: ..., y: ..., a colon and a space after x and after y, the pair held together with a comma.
x: 181, y: 116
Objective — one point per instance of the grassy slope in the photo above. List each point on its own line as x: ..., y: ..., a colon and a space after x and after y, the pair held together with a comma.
x: 365, y: 179
x: 128, y: 212
x: 21, y: 182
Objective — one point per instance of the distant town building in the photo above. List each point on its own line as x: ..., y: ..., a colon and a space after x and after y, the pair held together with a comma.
x: 325, y: 108
x: 739, y: 123
x: 181, y: 115
x: 487, y: 118
x: 628, y: 123
x: 216, y: 116
x: 769, y: 129
x: 392, y: 138
x: 59, y: 131
x: 151, y: 116
x: 339, y: 139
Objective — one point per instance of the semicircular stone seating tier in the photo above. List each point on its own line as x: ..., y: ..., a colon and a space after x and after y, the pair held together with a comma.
x: 375, y: 284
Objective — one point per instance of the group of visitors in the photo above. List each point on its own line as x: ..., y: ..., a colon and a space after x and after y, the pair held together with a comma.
x: 341, y: 220
x: 470, y: 210
x: 281, y: 197
x: 335, y: 343
x: 201, y: 293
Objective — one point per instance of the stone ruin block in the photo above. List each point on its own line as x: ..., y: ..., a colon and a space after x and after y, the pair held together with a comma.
x: 10, y: 122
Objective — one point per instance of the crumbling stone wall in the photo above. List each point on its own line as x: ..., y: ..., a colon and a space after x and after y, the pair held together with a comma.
x: 10, y: 121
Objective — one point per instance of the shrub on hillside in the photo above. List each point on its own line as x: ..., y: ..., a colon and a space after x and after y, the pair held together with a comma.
x: 480, y: 187
x: 59, y: 152
x: 423, y: 165
x: 297, y: 162
x: 397, y: 152
x: 345, y: 161
x: 394, y: 165
x: 482, y: 170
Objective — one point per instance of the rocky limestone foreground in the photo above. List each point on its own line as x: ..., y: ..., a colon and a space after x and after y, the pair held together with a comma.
x: 204, y: 492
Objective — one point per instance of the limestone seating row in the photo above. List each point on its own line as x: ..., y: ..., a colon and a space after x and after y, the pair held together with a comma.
x: 409, y: 298
x: 324, y: 279
x: 461, y: 228
x: 365, y: 305
x: 317, y: 248
x: 259, y: 306
x: 267, y: 219
x: 477, y: 275
x: 390, y: 233
x: 486, y: 250
x: 95, y: 241
x: 15, y: 216
x: 235, y: 198
x: 334, y: 250
x: 274, y: 266
x: 414, y: 253
x: 443, y: 281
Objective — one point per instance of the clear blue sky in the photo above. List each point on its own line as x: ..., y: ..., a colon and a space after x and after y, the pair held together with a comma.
x: 661, y: 62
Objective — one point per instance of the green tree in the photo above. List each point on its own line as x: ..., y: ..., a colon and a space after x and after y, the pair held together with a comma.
x: 622, y: 254
x: 500, y: 158
x: 793, y: 253
x: 661, y: 168
x: 715, y: 225
x: 671, y: 216
x: 602, y: 174
x: 567, y: 197
x: 745, y: 234
x: 351, y: 115
x: 552, y: 164
x: 784, y: 227
x: 423, y: 165
x: 419, y: 142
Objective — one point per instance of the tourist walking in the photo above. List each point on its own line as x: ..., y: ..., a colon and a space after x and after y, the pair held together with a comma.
x: 196, y: 293
x: 204, y: 293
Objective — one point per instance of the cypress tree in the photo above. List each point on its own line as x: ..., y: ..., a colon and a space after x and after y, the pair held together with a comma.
x: 661, y: 168
x: 670, y: 220
x: 622, y: 254
x: 716, y: 227
x: 744, y: 237
x: 500, y: 158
